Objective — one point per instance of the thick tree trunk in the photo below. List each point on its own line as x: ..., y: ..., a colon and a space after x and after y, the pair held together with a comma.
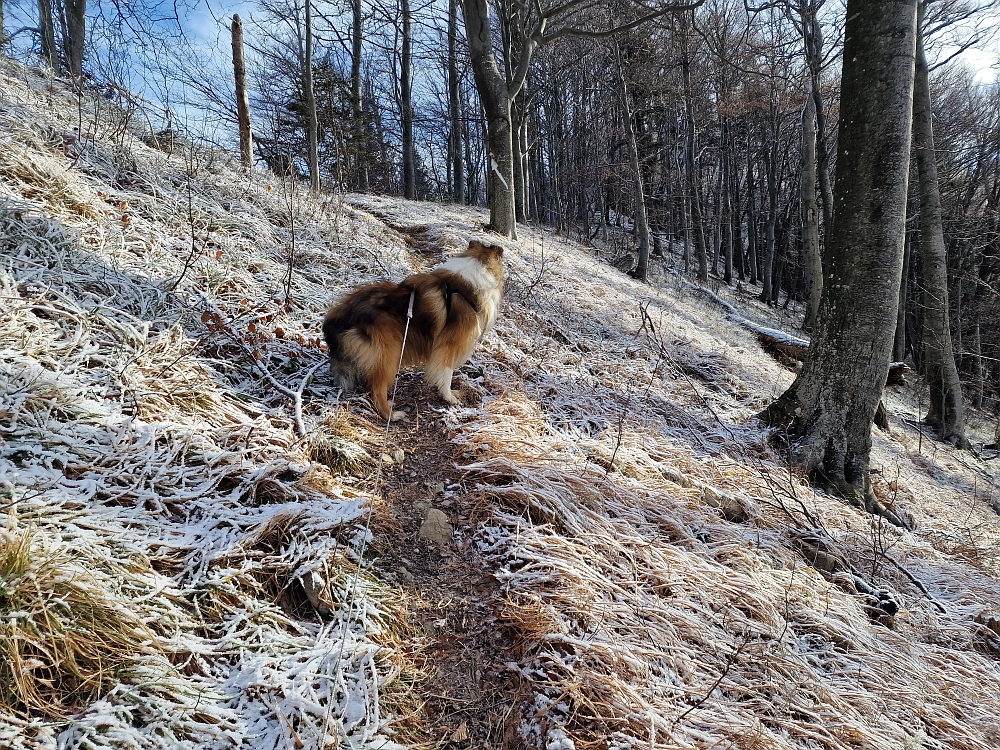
x: 827, y: 412
x: 47, y: 33
x: 406, y: 104
x: 357, y: 103
x: 810, y: 219
x: 454, y: 95
x: 312, y: 121
x: 242, y: 97
x: 495, y: 98
x: 946, y: 410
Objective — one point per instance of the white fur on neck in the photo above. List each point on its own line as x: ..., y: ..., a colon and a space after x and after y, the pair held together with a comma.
x: 479, y: 276
x: 472, y: 270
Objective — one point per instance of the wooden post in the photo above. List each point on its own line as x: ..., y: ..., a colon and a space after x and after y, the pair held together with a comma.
x: 242, y: 98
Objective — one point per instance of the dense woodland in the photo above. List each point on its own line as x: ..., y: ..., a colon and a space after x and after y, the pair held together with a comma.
x: 702, y: 135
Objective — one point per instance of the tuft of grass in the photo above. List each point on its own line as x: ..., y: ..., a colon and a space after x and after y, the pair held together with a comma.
x: 339, y: 446
x: 63, y: 638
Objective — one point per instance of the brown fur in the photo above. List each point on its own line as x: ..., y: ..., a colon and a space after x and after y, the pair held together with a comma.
x: 364, y: 329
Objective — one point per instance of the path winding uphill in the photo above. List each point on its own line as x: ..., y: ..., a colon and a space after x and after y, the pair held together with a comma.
x: 598, y: 548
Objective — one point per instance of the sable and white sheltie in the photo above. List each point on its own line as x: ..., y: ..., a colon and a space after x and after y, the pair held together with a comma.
x: 454, y: 304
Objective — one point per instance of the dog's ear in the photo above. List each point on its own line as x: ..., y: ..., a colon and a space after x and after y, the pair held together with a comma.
x: 498, y: 249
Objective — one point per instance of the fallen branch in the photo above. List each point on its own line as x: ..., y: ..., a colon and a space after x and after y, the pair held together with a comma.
x: 775, y: 341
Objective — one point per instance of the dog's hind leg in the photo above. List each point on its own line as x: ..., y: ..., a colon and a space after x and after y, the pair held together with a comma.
x: 381, y: 380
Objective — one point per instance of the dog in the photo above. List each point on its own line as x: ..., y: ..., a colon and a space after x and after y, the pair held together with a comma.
x: 453, y: 306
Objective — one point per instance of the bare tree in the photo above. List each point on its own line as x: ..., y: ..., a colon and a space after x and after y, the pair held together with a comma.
x: 242, y: 97
x: 827, y: 412
x: 312, y: 123
x: 946, y: 409
x: 533, y: 25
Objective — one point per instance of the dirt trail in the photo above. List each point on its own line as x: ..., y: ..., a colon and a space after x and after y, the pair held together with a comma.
x: 467, y: 698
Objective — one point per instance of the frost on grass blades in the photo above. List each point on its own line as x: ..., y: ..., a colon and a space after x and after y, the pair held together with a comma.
x: 178, y: 567
x: 159, y: 516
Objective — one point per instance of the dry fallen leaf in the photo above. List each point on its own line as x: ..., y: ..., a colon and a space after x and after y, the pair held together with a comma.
x: 461, y: 734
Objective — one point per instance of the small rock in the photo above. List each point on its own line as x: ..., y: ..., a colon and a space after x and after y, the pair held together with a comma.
x: 436, y: 488
x: 404, y: 575
x: 446, y: 503
x: 315, y: 588
x: 398, y: 455
x: 436, y: 528
x: 421, y: 506
x: 387, y: 459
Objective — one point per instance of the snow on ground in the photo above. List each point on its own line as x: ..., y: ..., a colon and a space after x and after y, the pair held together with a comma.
x: 180, y: 569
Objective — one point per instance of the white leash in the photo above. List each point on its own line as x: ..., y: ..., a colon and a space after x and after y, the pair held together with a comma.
x: 378, y: 482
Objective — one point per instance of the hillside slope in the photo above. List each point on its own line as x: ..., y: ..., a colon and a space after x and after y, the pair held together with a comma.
x: 631, y: 566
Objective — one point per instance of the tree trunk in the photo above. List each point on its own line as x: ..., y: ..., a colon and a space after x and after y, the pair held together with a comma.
x: 751, y: 220
x: 74, y: 37
x: 242, y: 98
x: 495, y: 99
x: 717, y: 221
x: 810, y: 218
x: 454, y: 95
x: 827, y: 412
x: 312, y: 122
x: 697, y: 224
x: 640, y: 218
x: 978, y: 374
x: 813, y: 37
x: 946, y: 410
x: 357, y: 103
x: 47, y: 33
x: 899, y: 340
x: 517, y: 158
x: 767, y: 293
x: 406, y: 104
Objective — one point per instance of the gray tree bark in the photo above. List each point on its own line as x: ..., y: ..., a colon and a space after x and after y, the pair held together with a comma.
x: 496, y: 101
x: 810, y: 218
x: 827, y: 412
x: 946, y: 409
x: 406, y: 104
x: 641, y: 219
x: 47, y: 33
x: 312, y: 121
x: 74, y: 37
x: 697, y: 221
x: 812, y: 35
x: 899, y: 341
x: 454, y: 96
x: 242, y: 97
x: 357, y: 103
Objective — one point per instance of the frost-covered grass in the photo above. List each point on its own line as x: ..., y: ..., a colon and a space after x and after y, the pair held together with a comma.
x: 165, y: 525
x: 161, y: 517
x: 644, y: 532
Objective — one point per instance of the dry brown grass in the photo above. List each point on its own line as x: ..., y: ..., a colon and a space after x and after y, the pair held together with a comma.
x: 64, y: 637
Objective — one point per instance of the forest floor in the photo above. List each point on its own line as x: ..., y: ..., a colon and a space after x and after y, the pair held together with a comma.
x: 600, y: 547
